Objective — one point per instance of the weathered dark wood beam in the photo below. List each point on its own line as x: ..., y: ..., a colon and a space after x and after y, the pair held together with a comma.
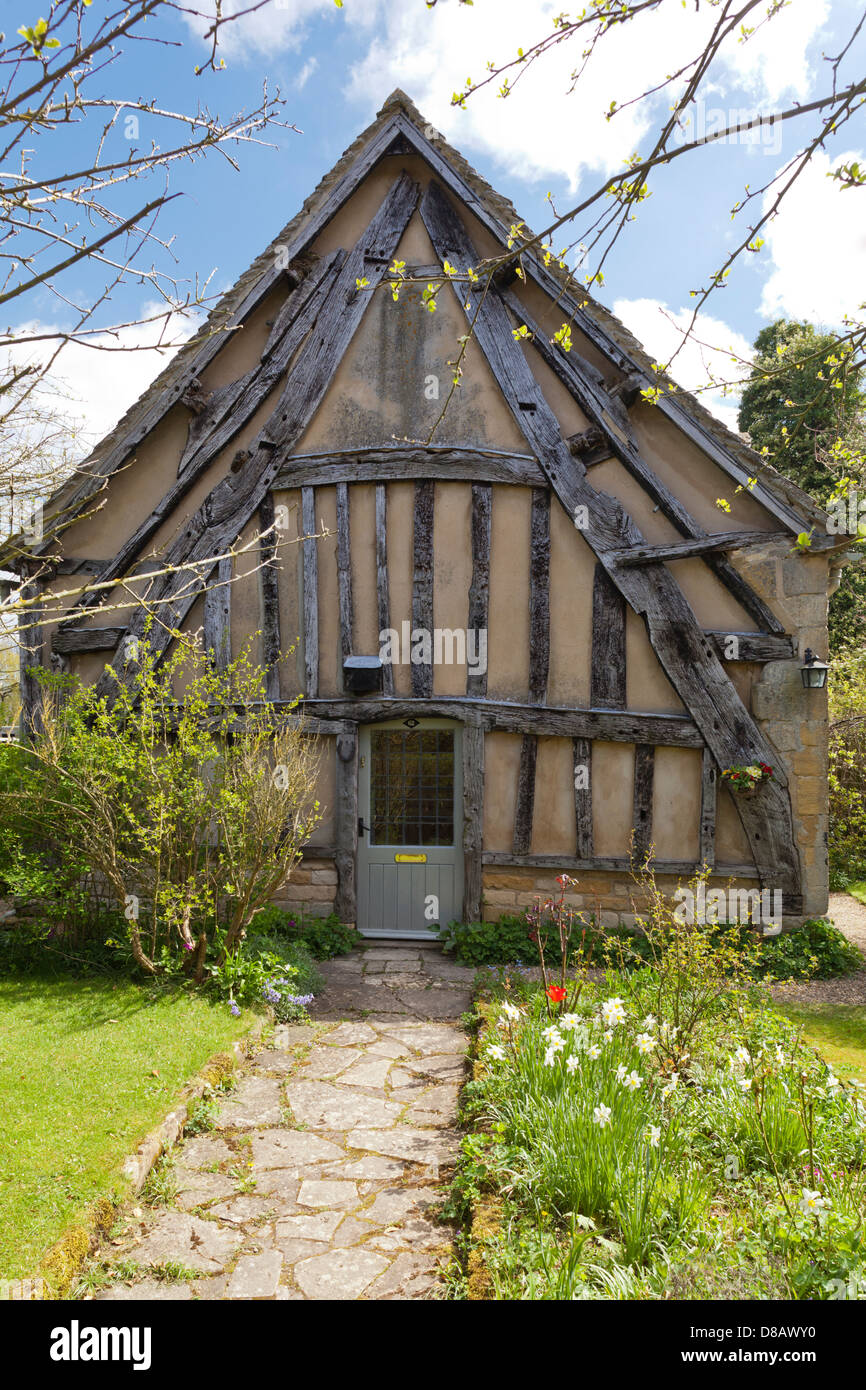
x: 422, y: 584
x: 709, y: 801
x: 30, y: 658
x: 607, y: 668
x: 396, y: 464
x: 269, y: 595
x: 539, y: 661
x: 69, y: 640
x: 705, y: 545
x: 583, y: 797
x: 346, y: 824
x: 479, y: 588
x: 686, y: 655
x: 614, y: 726
x: 311, y: 592
x: 594, y: 400
x: 642, y: 818
x: 256, y: 386
x: 611, y: 864
x: 383, y: 592
x: 754, y: 646
x: 344, y: 575
x: 218, y: 616
x: 231, y: 503
x: 473, y: 819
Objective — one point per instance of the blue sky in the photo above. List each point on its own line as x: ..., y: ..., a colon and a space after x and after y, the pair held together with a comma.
x: 335, y: 67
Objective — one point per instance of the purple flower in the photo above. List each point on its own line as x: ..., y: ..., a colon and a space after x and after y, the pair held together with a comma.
x: 301, y: 999
x: 236, y: 1013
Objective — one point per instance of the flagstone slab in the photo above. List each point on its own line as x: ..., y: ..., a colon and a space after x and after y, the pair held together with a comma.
x: 414, y: 1145
x: 245, y: 1207
x: 372, y: 1167
x: 341, y: 1274
x: 413, y: 1234
x: 291, y: 1148
x: 281, y: 1185
x: 350, y: 1035
x: 256, y: 1101
x: 293, y: 1249
x: 436, y: 1107
x: 371, y: 1071
x: 411, y: 1275
x: 435, y: 1003
x: 351, y: 1232
x: 333, y: 1195
x: 430, y: 1039
x: 256, y: 1276
x: 150, y: 1290
x: 203, y: 1151
x: 319, y: 1225
x: 396, y: 1203
x: 275, y: 1061
x: 188, y: 1240
x: 196, y: 1188
x: 293, y: 1034
x: 388, y: 1047
x: 330, y: 1061
x: 324, y: 1106
x: 447, y: 1067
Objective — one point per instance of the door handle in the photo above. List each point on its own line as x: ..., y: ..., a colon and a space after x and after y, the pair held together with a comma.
x: 362, y: 828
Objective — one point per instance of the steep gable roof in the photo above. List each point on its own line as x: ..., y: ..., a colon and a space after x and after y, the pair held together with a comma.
x: 400, y: 127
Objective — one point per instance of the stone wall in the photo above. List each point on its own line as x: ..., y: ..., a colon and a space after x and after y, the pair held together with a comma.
x: 311, y: 888
x: 794, y: 719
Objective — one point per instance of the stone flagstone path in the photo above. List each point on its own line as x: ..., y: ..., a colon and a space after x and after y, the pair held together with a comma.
x: 323, y: 1173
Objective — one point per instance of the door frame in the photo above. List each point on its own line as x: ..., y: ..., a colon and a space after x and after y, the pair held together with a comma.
x: 364, y: 731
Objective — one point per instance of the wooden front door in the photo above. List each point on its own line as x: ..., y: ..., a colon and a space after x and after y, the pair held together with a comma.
x: 410, y: 833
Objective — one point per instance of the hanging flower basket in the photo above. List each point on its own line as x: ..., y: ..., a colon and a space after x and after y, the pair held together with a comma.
x: 745, y: 779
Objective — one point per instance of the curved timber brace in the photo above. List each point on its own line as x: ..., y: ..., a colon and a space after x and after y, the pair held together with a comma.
x: 188, y: 562
x: 686, y: 654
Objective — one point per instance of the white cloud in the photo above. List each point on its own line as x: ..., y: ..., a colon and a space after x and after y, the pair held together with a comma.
x: 714, y: 353
x: 306, y: 73
x: 92, y: 387
x: 817, y: 245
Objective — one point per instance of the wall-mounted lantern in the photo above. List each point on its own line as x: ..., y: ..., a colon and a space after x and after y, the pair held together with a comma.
x: 813, y: 671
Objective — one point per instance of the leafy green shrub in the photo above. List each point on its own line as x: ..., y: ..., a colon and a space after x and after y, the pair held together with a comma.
x: 817, y: 950
x: 847, y: 836
x: 324, y: 937
x: 191, y: 817
x: 508, y: 941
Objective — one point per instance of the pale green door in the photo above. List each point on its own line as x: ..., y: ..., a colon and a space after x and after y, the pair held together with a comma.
x: 410, y: 833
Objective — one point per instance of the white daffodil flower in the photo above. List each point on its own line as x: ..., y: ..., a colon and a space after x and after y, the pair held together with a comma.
x: 496, y: 1052
x: 612, y: 1012
x: 812, y: 1202
x: 594, y: 1052
x: 601, y: 1114
x: 645, y: 1043
x: 654, y: 1135
x: 633, y: 1081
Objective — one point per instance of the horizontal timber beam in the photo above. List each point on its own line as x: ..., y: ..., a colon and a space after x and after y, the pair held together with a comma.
x: 567, y: 864
x: 86, y: 639
x: 616, y: 726
x: 398, y: 464
x: 755, y: 646
x: 703, y: 545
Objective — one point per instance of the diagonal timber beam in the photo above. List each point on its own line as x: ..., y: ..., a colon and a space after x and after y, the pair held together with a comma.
x: 227, y: 508
x: 254, y: 388
x: 581, y: 382
x: 686, y: 654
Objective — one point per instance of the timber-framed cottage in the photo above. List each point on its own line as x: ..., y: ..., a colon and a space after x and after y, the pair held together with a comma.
x: 530, y: 646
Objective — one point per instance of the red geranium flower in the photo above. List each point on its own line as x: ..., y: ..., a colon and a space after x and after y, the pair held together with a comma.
x: 556, y: 993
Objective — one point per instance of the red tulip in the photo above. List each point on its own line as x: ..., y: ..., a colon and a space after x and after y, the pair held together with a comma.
x: 556, y: 993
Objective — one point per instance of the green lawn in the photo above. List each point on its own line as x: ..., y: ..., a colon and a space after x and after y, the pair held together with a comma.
x: 87, y: 1067
x: 858, y: 891
x: 838, y: 1031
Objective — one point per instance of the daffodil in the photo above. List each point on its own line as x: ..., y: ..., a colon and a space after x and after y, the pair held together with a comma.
x: 645, y: 1043
x: 649, y: 1021
x: 812, y: 1202
x: 601, y: 1114
x: 496, y: 1052
x: 572, y: 1064
x: 742, y: 1056
x: 632, y: 1082
x: 594, y: 1052
x: 672, y: 1084
x: 510, y: 1011
x: 612, y: 1012
x: 620, y: 1072
x: 569, y: 1022
x: 654, y: 1135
